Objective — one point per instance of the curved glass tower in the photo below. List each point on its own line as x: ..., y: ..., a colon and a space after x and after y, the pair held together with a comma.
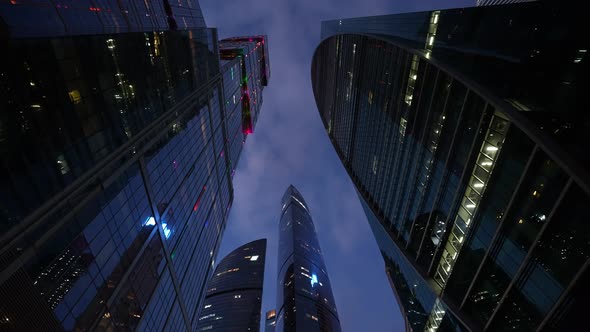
x: 469, y: 153
x: 304, y: 294
x: 234, y: 293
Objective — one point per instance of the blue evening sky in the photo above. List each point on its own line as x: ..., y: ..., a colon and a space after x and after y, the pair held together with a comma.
x: 290, y: 145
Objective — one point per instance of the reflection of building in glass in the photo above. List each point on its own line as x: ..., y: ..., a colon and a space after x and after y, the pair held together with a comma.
x: 304, y: 294
x: 271, y: 321
x: 115, y: 186
x: 234, y: 292
x: 468, y: 153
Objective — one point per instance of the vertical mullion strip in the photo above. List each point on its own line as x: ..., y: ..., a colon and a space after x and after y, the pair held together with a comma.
x: 500, y: 225
x: 424, y: 151
x: 441, y: 184
x: 408, y: 155
x: 460, y: 188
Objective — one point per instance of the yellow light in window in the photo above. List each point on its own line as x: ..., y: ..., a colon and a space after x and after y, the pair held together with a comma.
x: 75, y: 96
x: 520, y: 221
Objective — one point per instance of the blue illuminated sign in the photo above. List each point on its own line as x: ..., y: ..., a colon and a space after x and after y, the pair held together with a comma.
x: 314, y: 279
x: 166, y: 230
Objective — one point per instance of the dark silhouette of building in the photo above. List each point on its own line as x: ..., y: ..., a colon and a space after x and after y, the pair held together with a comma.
x: 118, y: 149
x: 464, y: 132
x: 234, y: 292
x: 304, y: 295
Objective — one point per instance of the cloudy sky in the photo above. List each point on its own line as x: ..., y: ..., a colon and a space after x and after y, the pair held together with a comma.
x: 290, y: 146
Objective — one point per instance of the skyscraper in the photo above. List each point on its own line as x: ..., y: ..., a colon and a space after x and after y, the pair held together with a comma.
x: 116, y: 175
x: 463, y: 131
x: 234, y: 293
x: 304, y: 295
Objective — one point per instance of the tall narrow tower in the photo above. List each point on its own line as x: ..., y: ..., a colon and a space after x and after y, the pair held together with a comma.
x: 234, y: 293
x: 304, y: 294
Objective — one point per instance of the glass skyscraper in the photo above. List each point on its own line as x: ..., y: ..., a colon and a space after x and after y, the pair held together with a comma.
x: 304, y: 295
x: 234, y: 293
x: 117, y: 159
x: 465, y: 133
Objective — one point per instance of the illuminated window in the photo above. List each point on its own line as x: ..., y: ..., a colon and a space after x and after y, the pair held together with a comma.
x: 207, y: 306
x: 237, y: 296
x: 580, y: 56
x: 403, y: 123
x: 254, y: 258
x: 150, y: 221
x: 75, y: 96
x: 167, y: 230
x: 207, y: 316
x: 314, y: 280
x: 228, y: 271
x: 62, y: 165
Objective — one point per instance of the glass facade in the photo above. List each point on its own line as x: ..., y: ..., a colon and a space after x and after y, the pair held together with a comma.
x: 115, y: 186
x: 304, y: 294
x: 46, y: 18
x: 466, y: 150
x: 234, y: 293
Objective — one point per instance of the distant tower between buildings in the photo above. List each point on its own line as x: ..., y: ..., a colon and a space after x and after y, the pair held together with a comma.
x: 465, y: 132
x: 304, y: 295
x: 234, y: 293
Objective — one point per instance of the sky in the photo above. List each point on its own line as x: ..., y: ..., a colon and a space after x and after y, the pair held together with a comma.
x: 291, y: 146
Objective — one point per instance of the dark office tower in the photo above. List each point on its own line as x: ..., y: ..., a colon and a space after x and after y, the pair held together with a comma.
x: 271, y: 321
x: 45, y: 18
x: 114, y: 185
x: 234, y: 293
x: 465, y: 133
x: 304, y: 294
